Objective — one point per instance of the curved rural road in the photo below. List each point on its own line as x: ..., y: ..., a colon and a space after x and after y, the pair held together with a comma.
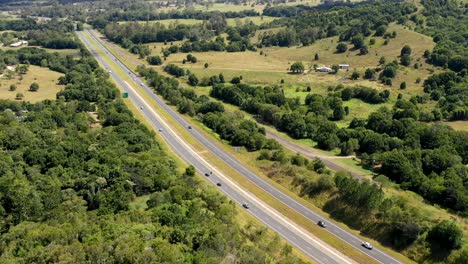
x: 296, y: 235
x: 306, y: 152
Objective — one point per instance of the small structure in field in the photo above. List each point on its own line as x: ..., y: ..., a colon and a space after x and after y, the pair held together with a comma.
x: 19, y: 44
x: 343, y: 66
x: 324, y: 69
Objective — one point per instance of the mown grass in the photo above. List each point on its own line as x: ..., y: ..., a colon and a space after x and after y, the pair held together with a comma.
x: 46, y: 79
x: 247, y: 185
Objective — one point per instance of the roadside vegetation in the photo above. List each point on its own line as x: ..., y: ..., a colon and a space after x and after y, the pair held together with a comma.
x: 379, y: 81
x: 73, y: 168
x: 383, y: 107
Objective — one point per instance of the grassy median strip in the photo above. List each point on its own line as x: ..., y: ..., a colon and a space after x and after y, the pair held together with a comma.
x: 330, y: 239
x: 181, y: 164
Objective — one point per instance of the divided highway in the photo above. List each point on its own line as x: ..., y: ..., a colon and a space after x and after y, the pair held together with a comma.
x: 297, y: 236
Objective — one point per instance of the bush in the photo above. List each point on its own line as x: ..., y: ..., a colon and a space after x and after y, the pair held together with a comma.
x: 34, y: 87
x: 341, y: 47
x: 192, y: 80
x: 297, y: 67
x: 364, y: 50
x: 13, y: 87
x: 154, y: 60
x: 235, y: 80
x: 355, y: 75
x: 446, y: 234
x: 403, y: 85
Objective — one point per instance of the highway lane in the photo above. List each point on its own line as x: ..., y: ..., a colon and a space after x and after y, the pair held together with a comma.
x: 313, y: 216
x: 311, y: 246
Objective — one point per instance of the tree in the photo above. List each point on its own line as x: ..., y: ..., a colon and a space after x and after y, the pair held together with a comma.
x: 22, y: 69
x: 347, y: 148
x: 380, y: 31
x: 405, y: 50
x: 335, y: 68
x: 79, y: 26
x: 382, y: 60
x: 19, y: 96
x: 190, y: 171
x: 297, y: 67
x: 235, y: 80
x: 206, y: 65
x: 34, y: 87
x: 358, y: 41
x: 316, y: 57
x: 341, y: 47
x: 355, y: 75
x: 154, y: 60
x: 193, y: 80
x: 364, y: 50
x: 405, y: 59
x: 403, y: 85
x: 12, y: 87
x: 369, y: 74
x: 446, y: 234
x: 192, y: 58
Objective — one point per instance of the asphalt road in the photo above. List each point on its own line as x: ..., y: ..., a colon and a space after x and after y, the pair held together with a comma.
x: 295, y: 235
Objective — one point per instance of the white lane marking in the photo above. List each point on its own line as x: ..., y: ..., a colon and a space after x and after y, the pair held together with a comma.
x: 266, y: 207
x: 214, y: 169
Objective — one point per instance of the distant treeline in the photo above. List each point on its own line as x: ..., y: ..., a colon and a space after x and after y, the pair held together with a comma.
x: 309, y: 26
x: 52, y: 34
x: 177, y: 14
x: 446, y: 22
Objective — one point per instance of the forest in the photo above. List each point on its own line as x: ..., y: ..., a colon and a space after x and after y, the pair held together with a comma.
x: 72, y: 167
x: 53, y: 34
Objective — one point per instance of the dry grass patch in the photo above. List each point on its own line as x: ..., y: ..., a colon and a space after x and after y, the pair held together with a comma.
x: 458, y: 125
x: 46, y: 79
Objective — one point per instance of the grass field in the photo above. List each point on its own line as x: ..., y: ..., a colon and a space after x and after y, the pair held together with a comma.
x: 257, y: 20
x: 46, y: 79
x: 458, y: 125
x: 270, y: 65
x: 61, y: 51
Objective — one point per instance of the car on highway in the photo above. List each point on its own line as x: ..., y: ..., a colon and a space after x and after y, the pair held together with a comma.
x: 189, y: 127
x: 141, y: 107
x: 219, y: 184
x: 367, y: 245
x: 160, y: 129
x: 207, y: 174
x: 246, y: 205
x: 322, y: 224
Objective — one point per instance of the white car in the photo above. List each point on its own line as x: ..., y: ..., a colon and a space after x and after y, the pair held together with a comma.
x: 367, y: 245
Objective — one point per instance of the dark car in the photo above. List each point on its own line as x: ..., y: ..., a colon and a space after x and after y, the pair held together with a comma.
x: 245, y: 205
x: 219, y: 184
x: 207, y: 174
x: 322, y: 224
x: 189, y: 127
